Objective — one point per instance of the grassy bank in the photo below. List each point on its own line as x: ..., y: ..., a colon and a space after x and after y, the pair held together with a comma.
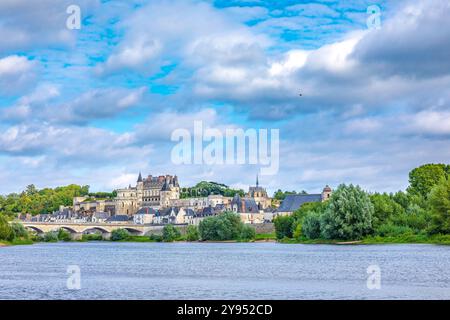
x: 409, y: 238
x: 270, y: 237
x: 401, y: 239
x: 16, y: 242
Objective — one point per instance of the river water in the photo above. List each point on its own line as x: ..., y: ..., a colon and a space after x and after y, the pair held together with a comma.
x: 224, y: 271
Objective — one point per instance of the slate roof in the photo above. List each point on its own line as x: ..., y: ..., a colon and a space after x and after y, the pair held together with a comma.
x: 293, y: 202
x: 101, y: 215
x: 118, y: 218
x: 146, y: 210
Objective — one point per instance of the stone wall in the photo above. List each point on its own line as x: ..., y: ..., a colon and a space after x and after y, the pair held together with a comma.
x: 263, y: 227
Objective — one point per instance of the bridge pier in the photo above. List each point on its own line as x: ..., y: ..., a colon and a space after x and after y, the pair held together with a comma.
x: 106, y: 236
x: 76, y: 235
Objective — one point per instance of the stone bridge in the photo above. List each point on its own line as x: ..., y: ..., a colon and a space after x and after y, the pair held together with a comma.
x: 77, y: 230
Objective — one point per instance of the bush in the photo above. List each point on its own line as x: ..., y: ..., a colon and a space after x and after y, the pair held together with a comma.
x: 227, y: 226
x: 390, y: 230
x: 120, y: 235
x: 414, y: 217
x: 18, y: 231
x: 248, y: 233
x: 51, y: 236
x: 64, y: 235
x: 5, y: 229
x: 311, y: 225
x: 439, y: 202
x: 349, y: 214
x: 155, y: 237
x: 92, y: 237
x: 192, y: 233
x: 297, y: 230
x: 170, y: 233
x: 283, y: 226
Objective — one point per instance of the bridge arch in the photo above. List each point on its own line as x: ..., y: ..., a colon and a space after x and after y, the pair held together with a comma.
x: 132, y: 231
x: 68, y: 229
x: 35, y: 229
x: 102, y: 230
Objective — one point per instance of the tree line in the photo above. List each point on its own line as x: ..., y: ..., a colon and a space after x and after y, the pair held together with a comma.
x: 46, y: 200
x: 352, y: 214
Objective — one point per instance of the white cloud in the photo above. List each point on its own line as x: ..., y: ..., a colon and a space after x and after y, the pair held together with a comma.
x: 16, y: 74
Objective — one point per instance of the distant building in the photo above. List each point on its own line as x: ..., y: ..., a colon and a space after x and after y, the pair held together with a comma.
x: 248, y: 209
x: 293, y: 202
x: 259, y: 194
x: 155, y: 192
x: 145, y: 215
x: 119, y: 219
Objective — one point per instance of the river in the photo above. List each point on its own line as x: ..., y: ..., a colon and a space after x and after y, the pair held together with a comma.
x: 224, y: 271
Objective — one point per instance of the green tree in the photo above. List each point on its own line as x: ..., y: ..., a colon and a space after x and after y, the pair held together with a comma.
x: 5, y: 229
x: 227, y: 226
x: 424, y: 178
x: 349, y: 214
x: 18, y: 231
x: 385, y: 208
x: 51, y: 236
x: 170, y: 233
x: 439, y: 201
x: 311, y: 224
x: 283, y: 226
x: 120, y: 235
x: 247, y: 233
x: 192, y: 233
x: 64, y: 235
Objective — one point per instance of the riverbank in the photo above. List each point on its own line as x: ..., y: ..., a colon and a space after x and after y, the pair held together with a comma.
x: 401, y: 239
x: 264, y: 238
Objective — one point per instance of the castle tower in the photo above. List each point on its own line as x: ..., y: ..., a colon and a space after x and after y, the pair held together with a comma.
x: 326, y: 193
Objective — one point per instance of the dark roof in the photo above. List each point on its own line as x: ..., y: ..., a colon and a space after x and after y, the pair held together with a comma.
x: 146, y: 210
x: 101, y: 215
x: 120, y: 217
x: 245, y: 205
x: 293, y: 202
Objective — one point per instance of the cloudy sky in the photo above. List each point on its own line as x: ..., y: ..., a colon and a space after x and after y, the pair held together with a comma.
x: 97, y: 105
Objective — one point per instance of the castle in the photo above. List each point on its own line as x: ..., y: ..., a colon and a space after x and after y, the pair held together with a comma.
x: 154, y: 192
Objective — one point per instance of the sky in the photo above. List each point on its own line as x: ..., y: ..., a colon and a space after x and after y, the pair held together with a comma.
x: 97, y: 105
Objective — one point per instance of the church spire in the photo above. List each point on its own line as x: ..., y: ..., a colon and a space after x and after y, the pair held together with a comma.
x: 257, y: 182
x: 140, y: 177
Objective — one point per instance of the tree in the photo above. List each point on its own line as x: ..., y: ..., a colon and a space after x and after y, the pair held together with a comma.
x: 283, y: 226
x: 424, y: 178
x: 170, y: 233
x: 385, y: 208
x: 192, y: 233
x: 227, y: 226
x: 5, y: 229
x: 18, y: 231
x: 311, y: 224
x: 349, y: 214
x: 439, y: 201
x: 120, y: 235
x: 51, y: 236
x: 247, y: 233
x: 63, y: 235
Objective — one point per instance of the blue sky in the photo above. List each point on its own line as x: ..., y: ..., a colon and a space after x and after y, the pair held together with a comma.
x: 97, y: 105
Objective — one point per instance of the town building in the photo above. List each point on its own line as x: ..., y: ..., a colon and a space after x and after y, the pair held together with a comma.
x: 260, y: 195
x: 293, y: 202
x: 155, y: 192
x: 248, y: 209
